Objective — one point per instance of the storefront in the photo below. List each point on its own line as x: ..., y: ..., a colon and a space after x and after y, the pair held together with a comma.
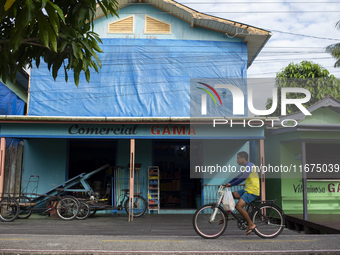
x: 313, y: 146
x: 59, y: 148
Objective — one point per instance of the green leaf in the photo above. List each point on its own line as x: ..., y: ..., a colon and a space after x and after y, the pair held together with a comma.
x: 8, y: 4
x: 59, y: 11
x: 43, y: 31
x: 76, y: 77
x: 53, y: 18
x: 87, y: 75
x: 87, y: 46
x: 56, y: 67
x: 75, y: 50
x: 16, y: 40
x: 66, y: 75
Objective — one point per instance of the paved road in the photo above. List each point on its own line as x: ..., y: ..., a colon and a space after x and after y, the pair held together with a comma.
x: 152, y: 234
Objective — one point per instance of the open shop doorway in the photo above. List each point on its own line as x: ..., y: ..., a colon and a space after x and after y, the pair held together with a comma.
x: 177, y: 189
x: 86, y: 156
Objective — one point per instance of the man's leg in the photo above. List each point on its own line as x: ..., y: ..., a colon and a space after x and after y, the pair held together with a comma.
x: 236, y: 195
x: 239, y: 206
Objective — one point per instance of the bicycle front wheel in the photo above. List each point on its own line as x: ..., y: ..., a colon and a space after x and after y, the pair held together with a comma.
x: 206, y: 224
x: 269, y: 220
x: 67, y: 208
x: 139, y: 206
x: 9, y: 209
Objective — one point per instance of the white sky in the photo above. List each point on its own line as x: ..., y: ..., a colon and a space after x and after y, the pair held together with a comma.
x: 296, y: 16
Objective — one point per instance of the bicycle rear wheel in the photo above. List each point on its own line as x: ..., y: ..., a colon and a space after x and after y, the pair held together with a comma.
x: 139, y: 206
x: 67, y: 208
x: 207, y: 227
x: 9, y: 209
x: 269, y: 221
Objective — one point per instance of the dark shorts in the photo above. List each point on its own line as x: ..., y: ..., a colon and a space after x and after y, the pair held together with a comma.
x: 248, y: 198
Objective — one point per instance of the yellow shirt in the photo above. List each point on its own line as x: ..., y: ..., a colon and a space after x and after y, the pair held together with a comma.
x: 253, y: 183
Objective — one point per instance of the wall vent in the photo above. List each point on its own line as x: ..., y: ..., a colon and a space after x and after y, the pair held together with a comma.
x: 156, y: 26
x: 122, y: 26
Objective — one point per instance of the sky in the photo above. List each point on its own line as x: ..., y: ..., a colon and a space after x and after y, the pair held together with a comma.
x: 315, y: 19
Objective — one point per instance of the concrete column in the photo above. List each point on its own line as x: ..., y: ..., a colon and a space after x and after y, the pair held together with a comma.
x: 262, y: 162
x: 132, y: 177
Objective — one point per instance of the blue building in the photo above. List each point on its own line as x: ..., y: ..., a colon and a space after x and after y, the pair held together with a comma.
x: 154, y: 55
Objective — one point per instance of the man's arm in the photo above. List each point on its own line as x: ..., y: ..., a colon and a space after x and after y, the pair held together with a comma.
x: 240, y: 178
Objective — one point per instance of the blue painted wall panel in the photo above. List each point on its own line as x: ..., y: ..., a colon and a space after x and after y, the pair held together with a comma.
x: 180, y: 29
x: 47, y: 159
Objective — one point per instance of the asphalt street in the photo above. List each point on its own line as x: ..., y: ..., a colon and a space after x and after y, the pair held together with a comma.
x: 150, y: 234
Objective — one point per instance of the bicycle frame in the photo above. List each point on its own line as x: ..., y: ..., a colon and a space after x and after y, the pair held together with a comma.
x: 251, y: 205
x: 221, y: 193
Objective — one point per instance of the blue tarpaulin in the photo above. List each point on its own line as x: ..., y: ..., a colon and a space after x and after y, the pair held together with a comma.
x: 138, y: 78
x: 10, y: 103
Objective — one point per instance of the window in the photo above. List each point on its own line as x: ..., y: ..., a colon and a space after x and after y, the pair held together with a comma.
x: 327, y: 155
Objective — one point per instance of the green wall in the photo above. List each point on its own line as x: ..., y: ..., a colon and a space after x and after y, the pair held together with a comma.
x: 323, y: 197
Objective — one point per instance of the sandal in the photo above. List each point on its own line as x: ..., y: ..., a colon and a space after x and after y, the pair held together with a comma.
x: 250, y: 230
x: 221, y: 222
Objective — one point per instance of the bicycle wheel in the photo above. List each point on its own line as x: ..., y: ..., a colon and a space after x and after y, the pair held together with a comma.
x: 269, y: 220
x: 9, y: 209
x: 67, y: 207
x: 84, y: 211
x: 139, y: 206
x: 25, y: 207
x: 207, y: 227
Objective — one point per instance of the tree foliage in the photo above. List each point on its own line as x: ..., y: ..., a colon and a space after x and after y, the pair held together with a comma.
x: 58, y: 32
x: 307, y: 75
x: 334, y: 49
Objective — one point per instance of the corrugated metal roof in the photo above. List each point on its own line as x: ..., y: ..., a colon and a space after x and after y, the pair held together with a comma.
x: 255, y: 37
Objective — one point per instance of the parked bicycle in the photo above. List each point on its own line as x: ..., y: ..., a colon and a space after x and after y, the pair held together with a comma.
x: 139, y: 204
x: 9, y: 208
x: 210, y: 220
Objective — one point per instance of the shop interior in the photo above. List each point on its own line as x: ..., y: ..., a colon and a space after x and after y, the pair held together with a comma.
x: 86, y: 156
x: 177, y: 190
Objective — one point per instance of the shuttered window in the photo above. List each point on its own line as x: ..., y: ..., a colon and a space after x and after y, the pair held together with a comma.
x: 323, y: 160
x: 156, y: 26
x: 122, y: 26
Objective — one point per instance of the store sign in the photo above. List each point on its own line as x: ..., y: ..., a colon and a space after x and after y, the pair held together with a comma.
x: 122, y: 130
x: 173, y: 130
x: 331, y: 188
x: 85, y: 130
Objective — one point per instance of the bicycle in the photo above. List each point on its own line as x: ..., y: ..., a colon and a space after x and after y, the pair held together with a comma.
x: 210, y: 220
x: 139, y: 204
x: 9, y: 208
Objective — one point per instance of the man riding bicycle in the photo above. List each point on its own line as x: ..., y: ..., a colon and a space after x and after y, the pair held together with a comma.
x: 251, y: 190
